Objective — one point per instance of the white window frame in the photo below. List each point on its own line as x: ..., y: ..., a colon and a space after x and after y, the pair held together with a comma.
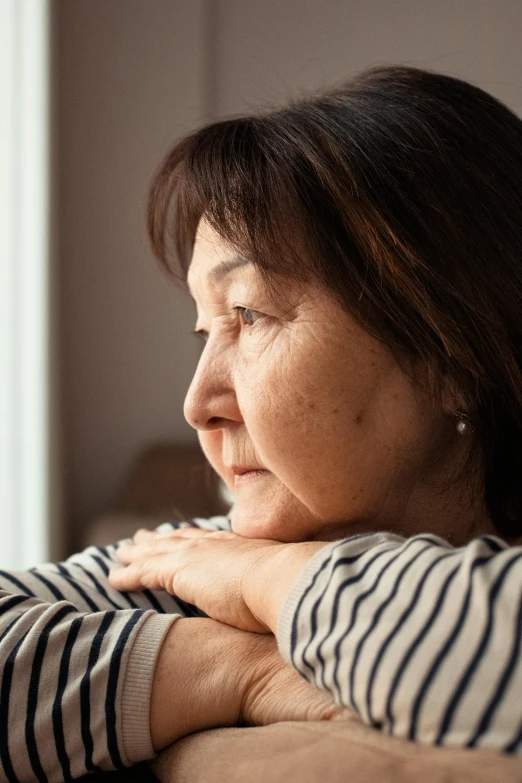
x: 24, y: 282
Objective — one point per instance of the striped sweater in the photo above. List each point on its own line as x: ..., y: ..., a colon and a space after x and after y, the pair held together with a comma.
x: 419, y: 638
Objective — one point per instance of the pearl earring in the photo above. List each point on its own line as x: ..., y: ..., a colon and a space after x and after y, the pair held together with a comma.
x: 464, y: 424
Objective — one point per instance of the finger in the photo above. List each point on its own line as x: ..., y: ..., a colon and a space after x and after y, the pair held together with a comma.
x: 185, y: 532
x: 224, y: 535
x: 144, y: 535
x: 129, y: 552
x: 126, y: 579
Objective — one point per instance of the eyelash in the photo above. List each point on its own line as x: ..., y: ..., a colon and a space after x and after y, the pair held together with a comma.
x: 202, y: 334
x: 242, y: 310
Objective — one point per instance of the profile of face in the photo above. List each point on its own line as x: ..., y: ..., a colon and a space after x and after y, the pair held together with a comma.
x: 307, y: 418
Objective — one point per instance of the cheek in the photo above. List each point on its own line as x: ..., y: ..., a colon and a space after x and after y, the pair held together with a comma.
x: 302, y: 420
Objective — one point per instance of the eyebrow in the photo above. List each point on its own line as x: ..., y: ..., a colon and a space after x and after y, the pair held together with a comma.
x: 225, y: 267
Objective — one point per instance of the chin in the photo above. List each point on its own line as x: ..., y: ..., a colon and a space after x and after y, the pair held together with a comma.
x: 249, y: 526
x: 265, y: 524
x: 261, y: 524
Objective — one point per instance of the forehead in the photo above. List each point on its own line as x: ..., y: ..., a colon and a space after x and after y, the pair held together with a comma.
x: 213, y: 258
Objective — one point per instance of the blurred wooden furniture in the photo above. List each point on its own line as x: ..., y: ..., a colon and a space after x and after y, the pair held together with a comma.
x: 166, y: 482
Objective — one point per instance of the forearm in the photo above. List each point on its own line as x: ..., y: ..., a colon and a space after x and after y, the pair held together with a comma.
x: 212, y: 675
x: 75, y: 693
x: 199, y: 679
x: 417, y: 636
x: 324, y: 751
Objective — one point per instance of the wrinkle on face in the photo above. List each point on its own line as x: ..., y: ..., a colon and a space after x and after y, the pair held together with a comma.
x: 345, y: 435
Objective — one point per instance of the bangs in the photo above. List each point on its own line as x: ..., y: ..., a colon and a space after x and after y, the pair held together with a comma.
x: 255, y: 182
x: 249, y: 180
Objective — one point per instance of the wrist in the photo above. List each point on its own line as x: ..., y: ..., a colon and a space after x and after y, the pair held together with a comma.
x: 199, y: 679
x: 269, y: 583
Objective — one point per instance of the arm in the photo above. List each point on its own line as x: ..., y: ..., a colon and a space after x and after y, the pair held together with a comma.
x: 75, y: 688
x: 311, y: 752
x: 419, y: 638
x: 100, y: 690
x: 77, y: 660
x: 422, y: 640
x: 217, y: 675
x: 82, y: 579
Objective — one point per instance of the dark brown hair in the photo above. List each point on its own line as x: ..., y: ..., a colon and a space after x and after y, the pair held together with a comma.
x: 401, y: 193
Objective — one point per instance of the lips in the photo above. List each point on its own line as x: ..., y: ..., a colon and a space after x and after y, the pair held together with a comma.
x: 245, y: 474
x: 240, y: 470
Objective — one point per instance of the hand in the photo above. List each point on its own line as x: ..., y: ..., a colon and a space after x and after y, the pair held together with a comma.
x: 275, y: 692
x: 205, y: 569
x: 208, y: 674
x: 238, y: 581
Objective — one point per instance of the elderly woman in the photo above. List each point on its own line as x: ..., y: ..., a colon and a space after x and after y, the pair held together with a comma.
x: 355, y: 260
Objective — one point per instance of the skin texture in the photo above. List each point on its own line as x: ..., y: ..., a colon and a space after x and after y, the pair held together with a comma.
x: 344, y: 440
x: 347, y: 441
x: 238, y: 581
x: 216, y: 675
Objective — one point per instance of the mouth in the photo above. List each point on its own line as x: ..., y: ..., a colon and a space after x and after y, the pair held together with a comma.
x: 244, y: 475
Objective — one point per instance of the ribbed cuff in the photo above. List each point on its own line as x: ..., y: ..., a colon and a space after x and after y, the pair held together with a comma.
x: 137, y: 686
x: 291, y: 602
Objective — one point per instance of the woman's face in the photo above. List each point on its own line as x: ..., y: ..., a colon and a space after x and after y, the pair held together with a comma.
x: 309, y: 420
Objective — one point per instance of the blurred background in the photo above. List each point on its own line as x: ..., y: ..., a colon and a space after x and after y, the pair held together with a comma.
x: 96, y: 351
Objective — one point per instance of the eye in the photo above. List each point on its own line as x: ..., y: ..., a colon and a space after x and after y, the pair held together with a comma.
x: 248, y: 315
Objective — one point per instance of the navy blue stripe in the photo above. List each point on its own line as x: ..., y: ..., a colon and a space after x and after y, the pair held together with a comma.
x: 376, y: 617
x: 57, y: 717
x: 393, y: 633
x: 324, y: 564
x: 512, y: 747
x: 507, y: 675
x: 104, y: 567
x: 154, y: 601
x: 467, y: 676
x: 419, y: 638
x: 32, y: 695
x: 13, y: 622
x: 5, y: 693
x: 495, y: 546
x: 112, y: 687
x: 20, y: 585
x: 79, y: 589
x: 335, y: 609
x: 155, y: 604
x: 188, y: 609
x: 443, y: 652
x: 295, y: 619
x: 357, y: 603
x: 85, y: 691
x: 11, y: 602
x: 52, y: 588
x: 414, y: 647
x: 100, y: 588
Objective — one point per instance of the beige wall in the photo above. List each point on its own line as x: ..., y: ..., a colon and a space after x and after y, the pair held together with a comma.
x: 268, y: 50
x: 131, y: 76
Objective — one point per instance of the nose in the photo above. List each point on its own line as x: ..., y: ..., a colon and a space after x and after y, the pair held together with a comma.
x: 211, y: 402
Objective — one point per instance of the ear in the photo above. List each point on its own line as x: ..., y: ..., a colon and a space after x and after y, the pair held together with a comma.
x: 452, y: 397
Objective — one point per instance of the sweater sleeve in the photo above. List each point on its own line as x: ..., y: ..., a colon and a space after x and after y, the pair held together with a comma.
x: 421, y: 639
x: 83, y: 579
x: 77, y: 660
